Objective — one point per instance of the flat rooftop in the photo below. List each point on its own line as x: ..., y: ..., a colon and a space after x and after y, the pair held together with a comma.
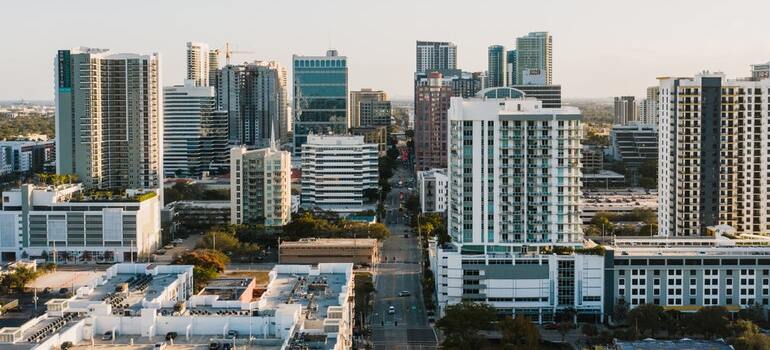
x: 314, y: 293
x: 330, y: 243
x: 684, y: 344
x: 140, y: 286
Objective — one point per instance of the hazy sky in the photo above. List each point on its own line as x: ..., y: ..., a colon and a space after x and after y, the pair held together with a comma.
x: 601, y: 48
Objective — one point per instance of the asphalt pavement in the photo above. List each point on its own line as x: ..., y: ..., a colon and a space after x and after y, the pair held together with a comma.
x: 399, y: 271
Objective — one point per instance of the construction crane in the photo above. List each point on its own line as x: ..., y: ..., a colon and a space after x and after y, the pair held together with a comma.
x: 229, y: 53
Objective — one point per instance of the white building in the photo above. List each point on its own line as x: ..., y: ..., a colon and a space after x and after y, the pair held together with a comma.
x: 24, y: 156
x: 514, y: 171
x: 712, y: 168
x: 514, y: 191
x: 109, y: 118
x: 198, y: 55
x: 65, y: 224
x: 260, y: 186
x: 194, y: 132
x: 160, y: 300
x: 337, y: 171
x: 434, y: 190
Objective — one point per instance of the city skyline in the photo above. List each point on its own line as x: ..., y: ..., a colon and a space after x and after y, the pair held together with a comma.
x: 629, y: 52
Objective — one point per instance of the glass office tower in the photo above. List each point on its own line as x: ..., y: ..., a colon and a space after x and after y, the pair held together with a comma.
x: 320, y: 96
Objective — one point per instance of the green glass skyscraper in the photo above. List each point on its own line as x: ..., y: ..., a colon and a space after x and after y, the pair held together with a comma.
x: 320, y: 96
x: 534, y: 57
x: 496, y: 66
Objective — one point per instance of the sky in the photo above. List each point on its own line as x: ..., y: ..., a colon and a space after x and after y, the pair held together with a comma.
x: 601, y: 48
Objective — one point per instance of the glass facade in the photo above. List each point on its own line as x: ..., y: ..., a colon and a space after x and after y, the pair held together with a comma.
x: 320, y: 96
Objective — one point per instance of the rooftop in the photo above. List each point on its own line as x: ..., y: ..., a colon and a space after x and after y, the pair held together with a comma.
x: 331, y: 242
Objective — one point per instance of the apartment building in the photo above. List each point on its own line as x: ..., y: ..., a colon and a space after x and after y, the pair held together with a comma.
x: 260, y: 186
x: 433, y: 186
x: 713, y: 167
x: 109, y: 118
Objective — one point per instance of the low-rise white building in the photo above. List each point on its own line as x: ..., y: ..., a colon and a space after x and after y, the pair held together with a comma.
x: 336, y: 171
x: 302, y: 304
x: 434, y: 190
x: 66, y: 224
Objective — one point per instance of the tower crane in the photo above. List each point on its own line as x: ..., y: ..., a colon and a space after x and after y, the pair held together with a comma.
x: 229, y: 53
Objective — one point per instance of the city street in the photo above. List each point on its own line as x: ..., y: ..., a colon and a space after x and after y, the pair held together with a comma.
x: 407, y: 327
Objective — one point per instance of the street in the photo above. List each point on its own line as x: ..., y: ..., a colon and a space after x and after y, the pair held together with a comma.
x: 408, y: 327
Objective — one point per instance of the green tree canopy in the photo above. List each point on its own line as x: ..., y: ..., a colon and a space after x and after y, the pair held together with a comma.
x: 462, y: 323
x: 710, y: 321
x: 519, y: 333
x: 646, y: 317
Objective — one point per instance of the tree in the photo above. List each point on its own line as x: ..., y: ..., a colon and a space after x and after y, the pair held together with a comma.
x: 649, y: 230
x: 202, y: 276
x: 519, y: 333
x: 219, y: 240
x: 603, y: 221
x: 748, y: 336
x: 462, y: 323
x: 204, y: 258
x: 371, y: 194
x: 412, y: 204
x: 754, y: 313
x: 670, y: 322
x: 646, y: 317
x: 589, y: 330
x: 564, y: 328
x: 710, y: 321
x: 363, y: 290
x: 620, y: 311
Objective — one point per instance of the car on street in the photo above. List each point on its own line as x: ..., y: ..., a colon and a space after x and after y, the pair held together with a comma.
x: 392, y: 309
x: 107, y: 335
x: 171, y: 335
x: 404, y: 293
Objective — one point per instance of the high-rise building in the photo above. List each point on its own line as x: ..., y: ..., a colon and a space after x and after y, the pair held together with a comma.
x: 260, y: 183
x: 337, y: 172
x: 496, y: 65
x: 363, y: 95
x: 373, y: 134
x: 510, y: 68
x: 214, y: 68
x: 255, y: 98
x: 514, y: 193
x: 109, y: 119
x: 194, y: 131
x: 648, y: 107
x: 26, y: 156
x: 514, y: 171
x: 625, y: 110
x: 550, y: 95
x: 430, y: 123
x: 320, y: 96
x: 375, y: 113
x: 67, y: 224
x: 534, y: 52
x: 435, y: 55
x: 760, y: 71
x: 198, y: 65
x: 712, y: 167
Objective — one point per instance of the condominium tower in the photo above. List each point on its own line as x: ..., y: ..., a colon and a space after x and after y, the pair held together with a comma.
x: 260, y: 190
x: 194, y: 131
x: 713, y: 167
x: 496, y: 65
x: 625, y: 110
x: 198, y: 65
x: 255, y: 98
x: 435, y: 55
x: 514, y: 172
x: 533, y: 52
x: 109, y: 119
x: 320, y: 96
x: 430, y: 123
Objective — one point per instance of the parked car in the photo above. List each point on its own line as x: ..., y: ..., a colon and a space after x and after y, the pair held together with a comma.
x: 63, y: 291
x: 107, y: 335
x: 66, y: 345
x: 232, y: 334
x: 170, y: 335
x: 392, y: 309
x: 47, y: 290
x: 214, y: 346
x: 404, y: 293
x: 159, y: 346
